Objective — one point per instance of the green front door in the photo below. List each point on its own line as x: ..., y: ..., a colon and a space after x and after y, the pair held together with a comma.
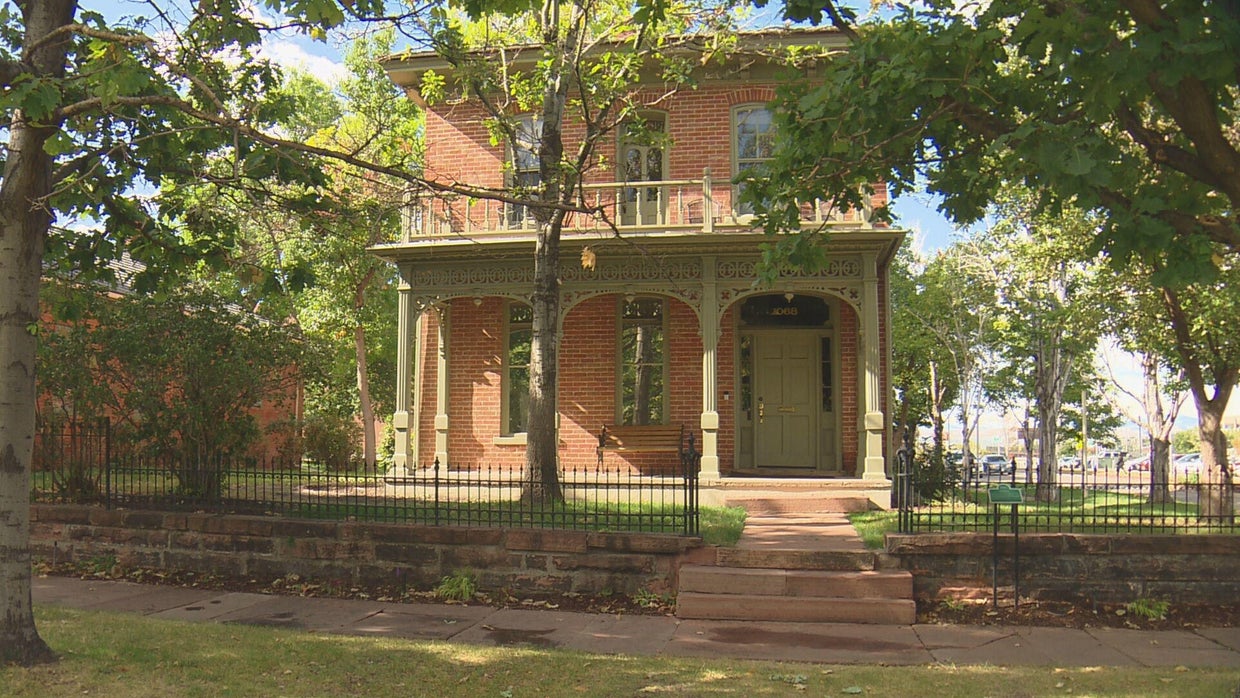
x: 786, y: 397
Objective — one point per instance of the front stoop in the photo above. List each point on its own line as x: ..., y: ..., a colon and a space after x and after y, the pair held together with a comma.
x: 798, y: 559
x: 812, y: 596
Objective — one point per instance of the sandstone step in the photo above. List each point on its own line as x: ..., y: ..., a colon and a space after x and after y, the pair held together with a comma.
x: 890, y: 584
x: 695, y: 605
x: 789, y: 504
x: 786, y: 559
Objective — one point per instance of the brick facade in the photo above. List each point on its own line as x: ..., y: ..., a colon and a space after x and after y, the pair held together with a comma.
x: 698, y: 122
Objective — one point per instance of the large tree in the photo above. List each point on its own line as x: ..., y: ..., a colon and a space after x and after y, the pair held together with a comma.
x: 954, y: 305
x: 1051, y: 309
x: 1128, y: 109
x: 98, y: 115
x: 590, y: 60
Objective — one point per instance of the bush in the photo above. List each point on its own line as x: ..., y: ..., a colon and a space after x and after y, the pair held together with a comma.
x: 328, y: 440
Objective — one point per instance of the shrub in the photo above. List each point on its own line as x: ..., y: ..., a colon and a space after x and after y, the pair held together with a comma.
x: 328, y: 440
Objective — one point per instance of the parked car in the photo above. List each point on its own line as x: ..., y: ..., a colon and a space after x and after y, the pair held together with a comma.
x: 1106, y: 459
x: 1069, y: 462
x: 1138, y: 464
x: 1187, y: 463
x: 995, y: 464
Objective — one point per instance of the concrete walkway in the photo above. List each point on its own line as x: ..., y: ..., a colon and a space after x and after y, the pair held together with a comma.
x: 660, y: 635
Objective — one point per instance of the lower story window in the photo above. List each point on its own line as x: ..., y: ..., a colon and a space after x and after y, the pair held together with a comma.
x: 643, y: 361
x: 516, y: 378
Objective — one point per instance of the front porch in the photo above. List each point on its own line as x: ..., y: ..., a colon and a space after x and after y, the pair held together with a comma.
x: 721, y: 378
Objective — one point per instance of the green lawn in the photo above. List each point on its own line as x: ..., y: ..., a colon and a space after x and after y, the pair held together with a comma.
x: 1077, y: 511
x: 139, y: 656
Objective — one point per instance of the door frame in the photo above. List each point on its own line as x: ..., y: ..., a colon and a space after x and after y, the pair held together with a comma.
x: 832, y: 419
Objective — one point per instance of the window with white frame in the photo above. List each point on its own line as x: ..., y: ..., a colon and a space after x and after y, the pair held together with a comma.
x: 643, y: 361
x: 753, y: 143
x: 515, y: 382
x: 525, y: 176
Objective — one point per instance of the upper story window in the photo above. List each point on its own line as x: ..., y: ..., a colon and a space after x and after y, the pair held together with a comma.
x: 643, y: 361
x: 525, y: 175
x: 642, y: 150
x: 515, y: 382
x: 753, y: 142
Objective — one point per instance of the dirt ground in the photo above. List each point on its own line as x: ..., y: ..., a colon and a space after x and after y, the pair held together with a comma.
x: 1062, y: 614
x: 971, y: 612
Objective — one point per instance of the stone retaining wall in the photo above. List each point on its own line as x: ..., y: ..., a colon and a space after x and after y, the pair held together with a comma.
x: 525, y: 561
x: 1101, y: 568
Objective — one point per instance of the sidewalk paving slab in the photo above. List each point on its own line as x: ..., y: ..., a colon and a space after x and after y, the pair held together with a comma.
x: 589, y: 632
x: 1227, y: 637
x: 211, y: 609
x: 1167, y: 647
x: 654, y: 635
x: 836, y: 643
x: 419, y: 621
x: 293, y: 612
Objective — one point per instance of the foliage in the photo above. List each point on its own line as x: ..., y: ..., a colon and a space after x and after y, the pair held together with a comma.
x: 1123, y: 108
x: 460, y: 586
x: 178, y: 374
x: 1150, y: 609
x: 328, y: 440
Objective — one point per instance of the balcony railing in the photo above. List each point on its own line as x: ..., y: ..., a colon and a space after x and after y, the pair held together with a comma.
x: 688, y: 205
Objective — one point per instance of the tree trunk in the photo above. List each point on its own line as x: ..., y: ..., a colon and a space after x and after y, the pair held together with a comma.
x: 1160, y: 465
x: 369, y: 450
x: 542, y: 476
x: 1216, y: 500
x: 1159, y: 425
x: 369, y: 454
x: 24, y: 222
x: 936, y: 411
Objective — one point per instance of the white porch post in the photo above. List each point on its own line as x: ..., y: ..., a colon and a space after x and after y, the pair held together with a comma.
x: 441, y: 387
x: 874, y: 422
x: 401, y: 421
x: 709, y: 325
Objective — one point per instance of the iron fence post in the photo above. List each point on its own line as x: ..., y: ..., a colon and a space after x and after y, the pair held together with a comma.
x: 107, y: 463
x: 902, y: 486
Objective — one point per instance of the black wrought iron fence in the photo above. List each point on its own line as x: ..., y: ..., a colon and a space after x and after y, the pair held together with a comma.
x: 1072, y: 500
x: 594, y: 497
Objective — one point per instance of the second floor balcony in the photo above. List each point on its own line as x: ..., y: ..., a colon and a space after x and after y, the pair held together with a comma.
x: 690, y: 206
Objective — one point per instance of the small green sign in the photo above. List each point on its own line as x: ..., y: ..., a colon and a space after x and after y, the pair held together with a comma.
x: 1005, y: 494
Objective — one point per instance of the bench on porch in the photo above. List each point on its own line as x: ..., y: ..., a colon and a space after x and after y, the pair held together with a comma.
x: 646, y: 438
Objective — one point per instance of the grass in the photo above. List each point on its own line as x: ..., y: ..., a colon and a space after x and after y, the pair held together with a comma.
x: 873, y: 526
x: 1077, y: 511
x: 139, y: 657
x: 721, y: 525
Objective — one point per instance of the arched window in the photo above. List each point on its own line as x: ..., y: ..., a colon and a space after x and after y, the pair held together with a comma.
x: 515, y: 381
x: 643, y: 360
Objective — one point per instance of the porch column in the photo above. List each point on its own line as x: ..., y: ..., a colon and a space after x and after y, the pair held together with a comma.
x: 709, y: 326
x: 874, y: 421
x: 441, y: 387
x: 401, y: 421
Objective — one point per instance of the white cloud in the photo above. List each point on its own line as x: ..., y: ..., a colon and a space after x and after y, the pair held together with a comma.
x: 289, y: 54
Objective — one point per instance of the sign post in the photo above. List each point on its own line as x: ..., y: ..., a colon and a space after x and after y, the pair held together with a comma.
x: 1012, y: 496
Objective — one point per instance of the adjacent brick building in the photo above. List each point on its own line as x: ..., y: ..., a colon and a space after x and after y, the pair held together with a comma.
x: 668, y: 324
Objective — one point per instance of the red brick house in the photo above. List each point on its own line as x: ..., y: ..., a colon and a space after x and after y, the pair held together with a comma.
x: 667, y: 325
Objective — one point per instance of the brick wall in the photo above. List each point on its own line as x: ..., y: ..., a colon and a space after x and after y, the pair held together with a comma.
x: 588, y: 384
x: 523, y: 561
x: 698, y: 123
x: 850, y: 386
